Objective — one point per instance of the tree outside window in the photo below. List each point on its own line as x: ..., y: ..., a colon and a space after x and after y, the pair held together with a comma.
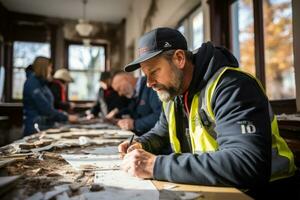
x: 278, y: 44
x: 279, y: 61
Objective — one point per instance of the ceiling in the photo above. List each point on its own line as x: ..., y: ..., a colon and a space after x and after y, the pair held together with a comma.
x: 111, y: 11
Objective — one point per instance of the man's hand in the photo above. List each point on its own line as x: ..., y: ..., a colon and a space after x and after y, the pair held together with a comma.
x: 139, y: 163
x: 126, y: 124
x: 112, y: 113
x: 73, y: 118
x: 125, y: 148
x: 90, y: 116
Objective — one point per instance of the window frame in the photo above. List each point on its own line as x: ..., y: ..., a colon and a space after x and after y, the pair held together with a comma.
x: 24, y: 67
x: 66, y: 61
x: 10, y: 71
x: 187, y: 23
x: 259, y: 56
x: 259, y: 47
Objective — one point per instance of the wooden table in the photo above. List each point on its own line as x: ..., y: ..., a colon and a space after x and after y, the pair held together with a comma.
x: 208, y: 193
x: 51, y: 170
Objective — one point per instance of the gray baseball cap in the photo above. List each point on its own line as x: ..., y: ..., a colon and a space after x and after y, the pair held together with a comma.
x: 155, y: 42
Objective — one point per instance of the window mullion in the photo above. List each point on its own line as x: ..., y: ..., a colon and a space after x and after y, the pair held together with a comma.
x: 259, y: 41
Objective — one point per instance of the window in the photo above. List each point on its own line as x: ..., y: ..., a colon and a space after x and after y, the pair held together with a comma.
x: 192, y: 28
x: 280, y: 77
x: 243, y: 34
x: 197, y: 22
x: 270, y: 57
x: 181, y: 29
x: 24, y: 54
x: 85, y: 65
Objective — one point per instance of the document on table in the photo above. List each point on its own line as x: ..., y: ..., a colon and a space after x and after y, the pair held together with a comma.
x: 130, y: 187
x: 93, y: 162
x: 110, y: 150
x: 106, y: 163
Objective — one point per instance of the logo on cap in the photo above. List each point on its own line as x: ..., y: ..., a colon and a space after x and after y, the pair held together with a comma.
x: 143, y: 50
x: 167, y: 45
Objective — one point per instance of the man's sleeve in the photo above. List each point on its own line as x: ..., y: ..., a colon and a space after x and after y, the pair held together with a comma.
x: 243, y: 158
x: 97, y: 105
x: 127, y: 110
x: 143, y: 124
x: 96, y: 108
x: 156, y: 140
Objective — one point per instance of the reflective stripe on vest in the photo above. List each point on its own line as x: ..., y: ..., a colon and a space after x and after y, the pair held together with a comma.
x: 170, y: 115
x: 203, y: 138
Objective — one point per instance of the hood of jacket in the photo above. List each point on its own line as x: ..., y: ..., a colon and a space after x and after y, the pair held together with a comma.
x: 207, y: 60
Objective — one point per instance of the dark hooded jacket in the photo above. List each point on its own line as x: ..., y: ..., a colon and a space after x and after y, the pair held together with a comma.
x: 242, y: 160
x: 107, y: 100
x: 144, y: 108
x: 38, y: 106
x: 58, y: 91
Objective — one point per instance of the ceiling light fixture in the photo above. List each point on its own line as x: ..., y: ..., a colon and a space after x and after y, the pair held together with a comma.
x: 84, y: 28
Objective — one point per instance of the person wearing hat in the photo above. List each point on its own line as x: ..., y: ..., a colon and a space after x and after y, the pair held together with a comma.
x: 216, y: 117
x: 107, y: 98
x: 58, y: 86
x: 38, y: 100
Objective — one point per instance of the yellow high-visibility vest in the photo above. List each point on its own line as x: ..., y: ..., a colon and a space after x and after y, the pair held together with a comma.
x: 203, y: 137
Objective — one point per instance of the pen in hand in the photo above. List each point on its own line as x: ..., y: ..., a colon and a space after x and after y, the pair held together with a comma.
x: 122, y: 154
x: 131, y: 140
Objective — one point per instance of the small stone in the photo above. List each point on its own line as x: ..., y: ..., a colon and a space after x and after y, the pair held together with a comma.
x: 96, y: 188
x: 75, y: 186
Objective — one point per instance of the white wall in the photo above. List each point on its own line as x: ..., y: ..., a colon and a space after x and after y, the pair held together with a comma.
x: 169, y: 13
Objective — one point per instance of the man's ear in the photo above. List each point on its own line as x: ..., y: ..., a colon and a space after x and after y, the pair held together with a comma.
x: 179, y: 58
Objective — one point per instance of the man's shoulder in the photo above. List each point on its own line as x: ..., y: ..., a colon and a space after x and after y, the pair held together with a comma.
x: 237, y: 78
x: 238, y: 83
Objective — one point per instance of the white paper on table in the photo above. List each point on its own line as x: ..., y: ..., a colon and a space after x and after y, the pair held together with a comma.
x: 111, y: 193
x: 130, y: 187
x: 94, y: 162
x: 110, y: 150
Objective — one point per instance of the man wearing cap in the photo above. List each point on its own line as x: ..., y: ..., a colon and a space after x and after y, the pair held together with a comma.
x: 217, y: 119
x: 58, y: 88
x: 144, y: 108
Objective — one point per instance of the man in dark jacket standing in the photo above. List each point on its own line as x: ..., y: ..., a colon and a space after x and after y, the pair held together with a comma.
x: 217, y: 119
x: 144, y: 108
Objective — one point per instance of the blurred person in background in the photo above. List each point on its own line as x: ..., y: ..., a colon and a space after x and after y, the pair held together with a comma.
x: 107, y: 98
x: 28, y: 70
x: 38, y: 106
x: 58, y: 88
x: 144, y: 108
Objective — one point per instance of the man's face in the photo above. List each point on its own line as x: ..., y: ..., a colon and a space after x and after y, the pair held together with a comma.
x: 163, y: 77
x: 49, y: 71
x: 103, y: 85
x: 122, y: 86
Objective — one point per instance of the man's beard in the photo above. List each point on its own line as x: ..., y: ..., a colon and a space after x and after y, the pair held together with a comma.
x: 167, y: 93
